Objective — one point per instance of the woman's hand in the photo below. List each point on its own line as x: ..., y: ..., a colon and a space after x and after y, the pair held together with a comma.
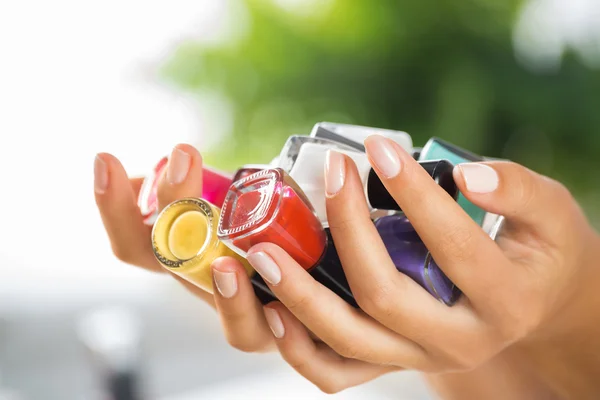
x: 534, y: 290
x: 240, y: 312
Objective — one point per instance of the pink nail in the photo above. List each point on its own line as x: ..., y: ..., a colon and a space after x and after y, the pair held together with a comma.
x: 275, y: 322
x: 479, y: 178
x: 179, y: 165
x: 100, y: 175
x: 383, y: 155
x: 226, y: 283
x: 335, y: 172
x: 265, y: 266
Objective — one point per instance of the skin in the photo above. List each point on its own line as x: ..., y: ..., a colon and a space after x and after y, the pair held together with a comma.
x: 527, y: 322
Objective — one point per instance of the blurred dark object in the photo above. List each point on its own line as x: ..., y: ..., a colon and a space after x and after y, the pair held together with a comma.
x: 124, y: 386
x: 112, y: 339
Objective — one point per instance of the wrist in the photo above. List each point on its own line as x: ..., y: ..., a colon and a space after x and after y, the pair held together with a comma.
x: 565, y: 352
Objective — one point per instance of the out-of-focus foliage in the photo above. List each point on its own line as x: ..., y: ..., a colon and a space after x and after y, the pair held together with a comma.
x: 430, y: 67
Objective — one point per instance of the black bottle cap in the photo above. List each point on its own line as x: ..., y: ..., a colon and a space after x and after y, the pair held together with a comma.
x: 416, y: 153
x: 439, y: 170
x: 330, y: 273
x: 262, y: 290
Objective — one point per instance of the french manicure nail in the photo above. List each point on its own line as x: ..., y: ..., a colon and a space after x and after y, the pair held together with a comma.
x: 226, y: 283
x: 383, y: 155
x: 479, y: 178
x: 275, y: 322
x: 179, y: 165
x: 100, y: 175
x: 265, y: 266
x: 335, y: 172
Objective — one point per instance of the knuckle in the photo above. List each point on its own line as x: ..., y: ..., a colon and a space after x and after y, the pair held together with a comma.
x: 559, y: 189
x: 527, y: 191
x: 328, y: 387
x: 469, y: 353
x: 295, y: 361
x: 347, y: 350
x: 442, y: 363
x: 229, y: 314
x: 124, y: 253
x: 457, y: 244
x: 460, y: 365
x: 242, y: 344
x: 466, y: 360
x: 340, y: 223
x: 376, y: 302
x: 564, y: 201
x: 295, y: 358
x: 520, y: 321
x: 529, y: 188
x: 299, y: 303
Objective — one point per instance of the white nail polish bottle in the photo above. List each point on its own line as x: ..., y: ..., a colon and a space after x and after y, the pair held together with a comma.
x: 354, y: 135
x: 303, y: 158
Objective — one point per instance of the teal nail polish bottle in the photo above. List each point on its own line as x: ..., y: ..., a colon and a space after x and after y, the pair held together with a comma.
x: 437, y: 149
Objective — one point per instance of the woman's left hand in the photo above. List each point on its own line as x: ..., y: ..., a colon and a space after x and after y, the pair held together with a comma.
x: 524, y: 287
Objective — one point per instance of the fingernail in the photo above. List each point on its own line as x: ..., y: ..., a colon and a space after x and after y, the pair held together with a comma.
x: 383, y: 155
x: 275, y: 322
x: 226, y: 283
x: 479, y: 178
x: 335, y: 172
x: 179, y: 165
x: 100, y: 175
x: 265, y: 266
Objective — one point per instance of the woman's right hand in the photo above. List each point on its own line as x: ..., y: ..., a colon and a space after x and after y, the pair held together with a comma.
x: 116, y: 195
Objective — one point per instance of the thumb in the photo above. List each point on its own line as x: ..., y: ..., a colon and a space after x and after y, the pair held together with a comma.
x: 524, y: 197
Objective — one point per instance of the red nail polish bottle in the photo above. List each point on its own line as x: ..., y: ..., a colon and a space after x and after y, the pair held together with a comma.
x: 248, y: 169
x: 268, y: 206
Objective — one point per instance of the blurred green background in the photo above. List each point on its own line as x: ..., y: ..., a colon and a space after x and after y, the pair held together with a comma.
x: 431, y: 68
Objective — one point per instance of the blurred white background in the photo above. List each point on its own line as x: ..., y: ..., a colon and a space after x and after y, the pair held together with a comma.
x: 80, y: 77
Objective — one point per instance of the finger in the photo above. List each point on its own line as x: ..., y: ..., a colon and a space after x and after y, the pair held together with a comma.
x: 195, y: 290
x: 317, y: 362
x: 392, y: 298
x: 136, y: 185
x: 338, y: 324
x: 182, y: 177
x: 458, y: 245
x: 524, y: 197
x: 240, y: 312
x: 116, y: 200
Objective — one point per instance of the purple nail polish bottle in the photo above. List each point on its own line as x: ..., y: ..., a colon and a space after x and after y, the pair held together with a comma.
x: 412, y: 258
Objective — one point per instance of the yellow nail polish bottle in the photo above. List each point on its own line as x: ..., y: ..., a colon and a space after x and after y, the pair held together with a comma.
x: 184, y: 241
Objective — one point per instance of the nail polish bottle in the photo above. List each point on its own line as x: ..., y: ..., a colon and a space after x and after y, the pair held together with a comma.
x: 354, y: 135
x: 184, y: 241
x: 214, y: 188
x: 268, y: 206
x: 303, y: 157
x: 248, y: 169
x: 435, y: 149
x: 412, y: 258
x: 493, y: 224
x: 439, y: 170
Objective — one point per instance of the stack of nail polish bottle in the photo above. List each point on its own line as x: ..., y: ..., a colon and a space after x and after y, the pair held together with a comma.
x: 284, y: 203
